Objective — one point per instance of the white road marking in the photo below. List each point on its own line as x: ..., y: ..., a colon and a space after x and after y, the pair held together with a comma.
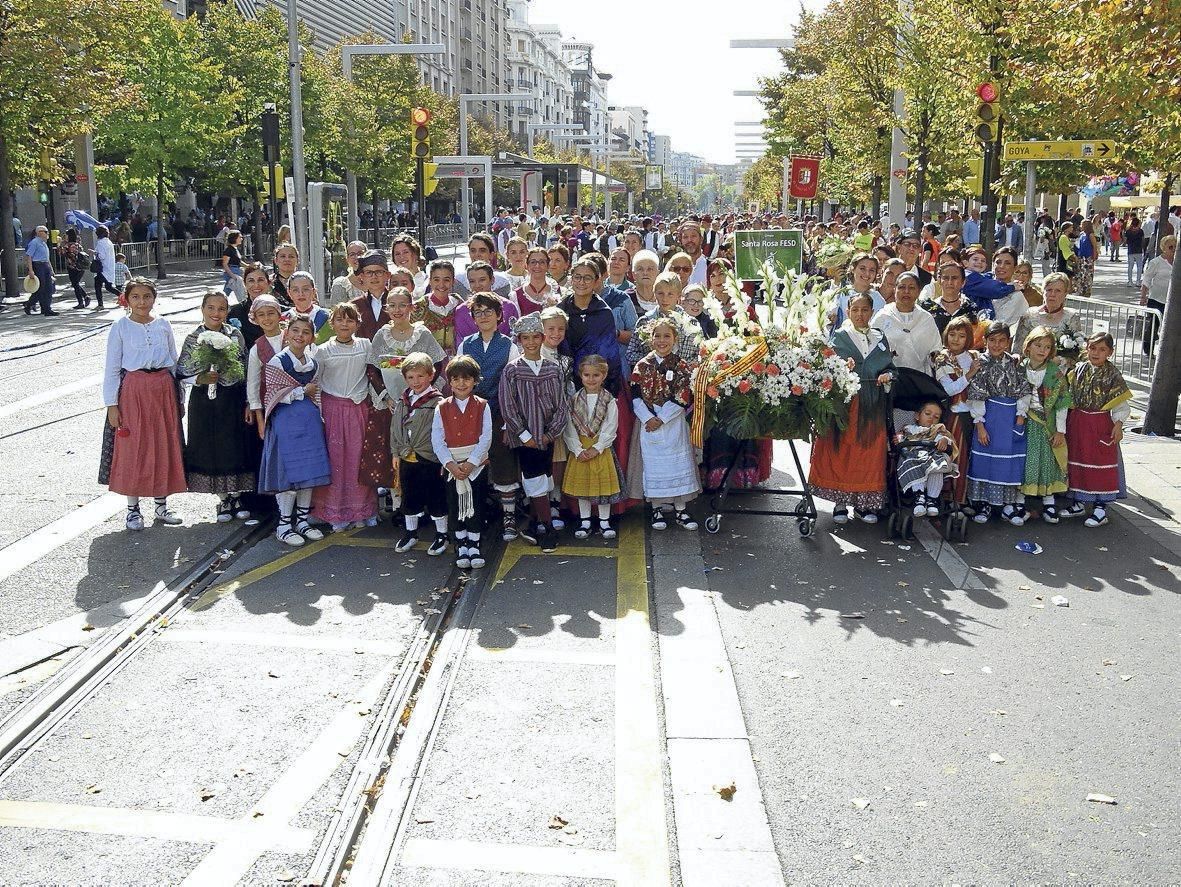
x: 474, y: 856
x: 52, y: 394
x: 18, y: 555
x: 149, y: 824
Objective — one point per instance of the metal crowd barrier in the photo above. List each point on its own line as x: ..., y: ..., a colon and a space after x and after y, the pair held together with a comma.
x: 196, y: 252
x: 1135, y: 329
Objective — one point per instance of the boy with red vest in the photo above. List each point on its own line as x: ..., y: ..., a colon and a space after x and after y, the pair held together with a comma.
x: 461, y: 437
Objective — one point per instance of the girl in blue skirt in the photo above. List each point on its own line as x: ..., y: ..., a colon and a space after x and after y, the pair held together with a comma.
x: 294, y: 454
x: 998, y: 398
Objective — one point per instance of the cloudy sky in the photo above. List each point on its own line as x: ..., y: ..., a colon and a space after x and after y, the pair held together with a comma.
x: 680, y: 67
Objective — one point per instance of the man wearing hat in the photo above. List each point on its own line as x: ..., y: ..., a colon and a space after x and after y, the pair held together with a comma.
x: 37, y: 255
x: 374, y: 274
x: 910, y: 250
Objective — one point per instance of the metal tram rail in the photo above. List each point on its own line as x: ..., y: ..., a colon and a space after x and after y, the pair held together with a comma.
x: 375, y: 801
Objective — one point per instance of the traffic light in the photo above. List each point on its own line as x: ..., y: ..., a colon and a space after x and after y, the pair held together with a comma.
x: 430, y: 183
x: 988, y: 112
x: 420, y: 143
x: 975, y: 181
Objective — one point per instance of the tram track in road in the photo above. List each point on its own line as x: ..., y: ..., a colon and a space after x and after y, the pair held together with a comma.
x: 400, y: 694
x: 73, y: 685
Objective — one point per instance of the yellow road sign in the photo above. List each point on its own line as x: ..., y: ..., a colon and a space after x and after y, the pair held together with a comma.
x: 1079, y: 149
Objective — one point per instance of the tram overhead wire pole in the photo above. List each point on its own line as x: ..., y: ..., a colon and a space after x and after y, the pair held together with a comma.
x: 347, y: 54
x: 464, y: 100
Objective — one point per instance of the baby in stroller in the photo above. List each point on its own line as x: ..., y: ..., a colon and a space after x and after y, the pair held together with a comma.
x: 925, y: 457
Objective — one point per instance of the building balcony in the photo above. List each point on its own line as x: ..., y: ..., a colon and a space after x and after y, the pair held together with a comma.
x: 524, y: 84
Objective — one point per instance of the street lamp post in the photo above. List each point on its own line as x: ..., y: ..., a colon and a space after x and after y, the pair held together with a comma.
x: 298, y: 173
x: 347, y: 54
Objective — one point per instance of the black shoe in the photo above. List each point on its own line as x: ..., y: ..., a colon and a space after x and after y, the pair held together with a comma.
x: 86, y: 301
x: 438, y: 546
x: 49, y: 314
x: 407, y: 542
x: 28, y: 309
x: 530, y: 532
x: 549, y: 540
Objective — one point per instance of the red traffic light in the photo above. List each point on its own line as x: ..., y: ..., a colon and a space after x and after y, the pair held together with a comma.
x: 987, y: 92
x: 420, y: 116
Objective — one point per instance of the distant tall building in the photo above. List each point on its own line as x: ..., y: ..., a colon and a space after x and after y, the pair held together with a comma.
x: 682, y: 168
x: 590, y: 92
x: 473, y: 31
x: 629, y: 128
x: 536, y: 65
x: 662, y: 149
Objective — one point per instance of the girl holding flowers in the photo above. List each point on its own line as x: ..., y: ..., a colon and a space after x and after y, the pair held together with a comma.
x: 221, y: 453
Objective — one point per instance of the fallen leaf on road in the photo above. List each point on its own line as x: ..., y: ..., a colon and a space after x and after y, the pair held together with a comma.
x: 309, y: 584
x: 897, y: 703
x: 257, y: 814
x: 1038, y: 606
x: 538, y: 582
x: 920, y: 803
x: 904, y: 585
x: 946, y: 671
x: 423, y: 819
x: 1023, y: 588
x: 88, y: 627
x: 902, y: 619
x: 1096, y: 798
x: 211, y: 791
x: 1125, y: 677
x: 272, y: 674
x: 285, y: 876
x: 858, y: 858
x: 524, y: 625
x: 94, y: 788
x: 860, y: 803
x: 726, y: 792
x: 1109, y: 662
x: 571, y: 840
x: 557, y: 822
x: 790, y: 675
x: 1060, y: 601
x: 852, y: 615
x: 995, y: 758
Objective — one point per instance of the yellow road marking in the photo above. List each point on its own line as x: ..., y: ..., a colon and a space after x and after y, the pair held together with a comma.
x: 150, y: 824
x: 518, y: 549
x: 641, y: 838
x: 217, y: 592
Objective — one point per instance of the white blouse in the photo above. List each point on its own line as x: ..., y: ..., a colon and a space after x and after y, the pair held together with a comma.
x: 136, y: 346
x: 343, y: 368
x: 955, y: 386
x: 607, y: 430
x: 254, y: 371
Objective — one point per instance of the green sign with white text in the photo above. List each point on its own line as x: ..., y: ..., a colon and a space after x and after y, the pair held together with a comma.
x: 753, y: 248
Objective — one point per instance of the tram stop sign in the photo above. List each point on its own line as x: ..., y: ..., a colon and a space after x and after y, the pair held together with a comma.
x: 752, y: 249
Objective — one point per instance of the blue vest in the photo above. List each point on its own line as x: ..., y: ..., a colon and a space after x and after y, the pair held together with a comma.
x: 303, y: 378
x: 492, y: 362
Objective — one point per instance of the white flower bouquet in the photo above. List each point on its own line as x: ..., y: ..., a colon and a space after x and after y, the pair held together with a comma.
x: 220, y: 353
x: 784, y: 381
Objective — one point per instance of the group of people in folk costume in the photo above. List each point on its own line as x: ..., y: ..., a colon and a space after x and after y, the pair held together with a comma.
x: 526, y: 408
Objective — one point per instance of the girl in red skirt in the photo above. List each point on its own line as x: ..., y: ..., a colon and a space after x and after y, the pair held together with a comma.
x: 1101, y: 403
x: 142, y: 442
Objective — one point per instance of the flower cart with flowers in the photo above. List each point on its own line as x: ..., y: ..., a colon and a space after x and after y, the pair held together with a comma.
x: 781, y: 381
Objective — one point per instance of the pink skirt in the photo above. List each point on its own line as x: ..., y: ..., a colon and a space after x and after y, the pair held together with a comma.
x: 147, y: 460
x: 345, y: 499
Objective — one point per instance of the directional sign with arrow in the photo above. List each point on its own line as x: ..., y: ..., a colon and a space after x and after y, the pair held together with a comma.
x: 1080, y: 149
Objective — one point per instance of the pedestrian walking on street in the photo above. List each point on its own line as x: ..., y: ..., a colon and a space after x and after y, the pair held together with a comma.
x: 103, y: 265
x: 1155, y: 286
x: 142, y: 440
x: 1135, y: 239
x: 231, y: 267
x: 37, y: 256
x: 1088, y: 253
x: 77, y: 264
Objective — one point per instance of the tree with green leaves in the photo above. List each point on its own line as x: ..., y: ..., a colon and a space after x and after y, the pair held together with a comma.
x: 182, y: 113
x: 57, y: 75
x: 252, y: 54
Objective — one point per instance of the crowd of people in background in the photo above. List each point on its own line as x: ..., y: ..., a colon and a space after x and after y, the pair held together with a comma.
x: 549, y: 383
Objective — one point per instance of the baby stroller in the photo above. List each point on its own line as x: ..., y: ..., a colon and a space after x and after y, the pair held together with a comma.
x: 911, y: 390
